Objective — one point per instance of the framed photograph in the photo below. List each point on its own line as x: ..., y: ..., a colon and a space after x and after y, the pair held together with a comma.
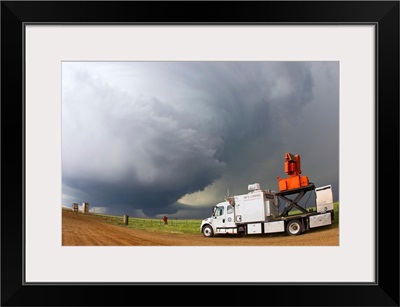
x: 107, y: 106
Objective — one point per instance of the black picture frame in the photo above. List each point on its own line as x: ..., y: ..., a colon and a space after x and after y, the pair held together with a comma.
x: 383, y: 14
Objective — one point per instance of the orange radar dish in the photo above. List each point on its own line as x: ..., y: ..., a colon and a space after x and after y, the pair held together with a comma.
x: 293, y: 169
x: 292, y: 164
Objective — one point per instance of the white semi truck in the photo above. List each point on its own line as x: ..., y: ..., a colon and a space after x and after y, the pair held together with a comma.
x: 257, y: 212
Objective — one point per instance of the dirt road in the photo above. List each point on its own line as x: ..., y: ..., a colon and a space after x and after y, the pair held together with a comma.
x: 89, y: 230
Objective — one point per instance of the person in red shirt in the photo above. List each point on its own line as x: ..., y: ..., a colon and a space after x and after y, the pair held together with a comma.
x: 165, y: 219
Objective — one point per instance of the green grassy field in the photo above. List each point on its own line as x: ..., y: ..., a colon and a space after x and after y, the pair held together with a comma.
x: 189, y: 226
x: 156, y: 225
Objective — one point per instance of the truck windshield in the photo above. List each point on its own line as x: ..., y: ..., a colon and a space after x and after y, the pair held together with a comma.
x: 219, y: 211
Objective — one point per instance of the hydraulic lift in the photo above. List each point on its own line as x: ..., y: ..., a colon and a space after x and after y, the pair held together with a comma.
x: 293, y: 203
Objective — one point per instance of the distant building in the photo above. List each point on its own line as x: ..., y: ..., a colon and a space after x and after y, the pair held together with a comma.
x: 85, y: 208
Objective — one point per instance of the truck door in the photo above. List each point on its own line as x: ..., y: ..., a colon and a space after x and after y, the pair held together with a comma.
x: 224, y: 219
x: 230, y: 217
x: 219, y: 217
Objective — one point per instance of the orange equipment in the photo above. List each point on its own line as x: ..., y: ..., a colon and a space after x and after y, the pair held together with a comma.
x: 292, y: 168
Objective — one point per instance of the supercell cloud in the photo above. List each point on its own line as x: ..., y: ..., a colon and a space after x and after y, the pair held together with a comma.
x: 155, y: 138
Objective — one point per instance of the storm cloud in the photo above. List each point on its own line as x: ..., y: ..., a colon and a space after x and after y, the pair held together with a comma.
x: 154, y: 138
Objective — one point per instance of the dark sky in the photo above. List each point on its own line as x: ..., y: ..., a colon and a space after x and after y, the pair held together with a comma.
x: 173, y: 138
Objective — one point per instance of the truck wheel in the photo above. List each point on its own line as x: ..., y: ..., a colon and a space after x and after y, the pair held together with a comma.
x: 207, y: 231
x: 293, y: 228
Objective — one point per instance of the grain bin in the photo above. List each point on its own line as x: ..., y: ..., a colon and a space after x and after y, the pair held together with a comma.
x: 85, y: 208
x: 75, y: 207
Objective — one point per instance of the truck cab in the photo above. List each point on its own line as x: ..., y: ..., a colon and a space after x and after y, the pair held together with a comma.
x: 222, y: 221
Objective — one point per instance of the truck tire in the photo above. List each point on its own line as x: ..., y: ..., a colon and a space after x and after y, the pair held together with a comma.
x: 293, y: 228
x: 208, y: 231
